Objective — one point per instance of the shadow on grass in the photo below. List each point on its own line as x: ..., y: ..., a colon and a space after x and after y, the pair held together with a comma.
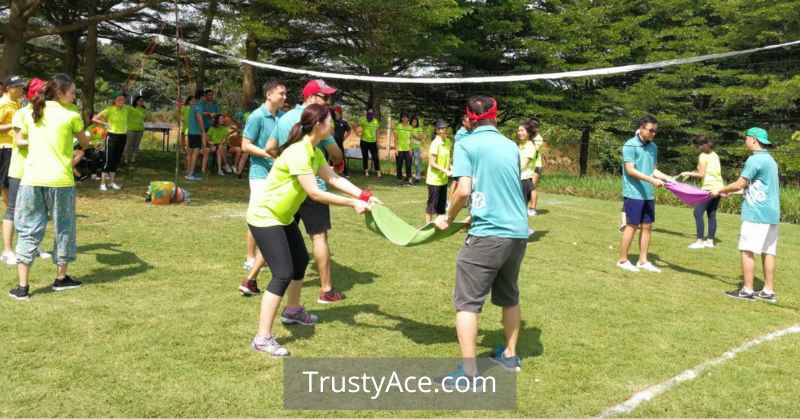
x: 343, y: 277
x: 111, y: 256
x: 678, y: 268
x: 421, y: 333
x: 542, y: 212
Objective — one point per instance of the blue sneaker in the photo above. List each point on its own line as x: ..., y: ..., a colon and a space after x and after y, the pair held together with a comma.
x: 510, y: 363
x: 458, y: 380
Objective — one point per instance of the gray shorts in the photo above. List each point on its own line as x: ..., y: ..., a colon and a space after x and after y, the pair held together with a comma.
x: 488, y: 264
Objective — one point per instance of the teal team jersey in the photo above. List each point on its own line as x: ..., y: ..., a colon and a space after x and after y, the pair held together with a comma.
x: 284, y: 127
x: 492, y: 161
x: 762, y: 198
x: 643, y: 156
x: 260, y: 125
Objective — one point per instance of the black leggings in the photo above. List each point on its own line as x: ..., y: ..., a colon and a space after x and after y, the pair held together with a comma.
x: 115, y: 146
x: 709, y: 207
x: 285, y: 253
x: 372, y: 149
x: 404, y: 159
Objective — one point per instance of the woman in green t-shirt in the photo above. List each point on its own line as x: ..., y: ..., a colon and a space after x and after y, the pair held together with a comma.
x: 710, y: 171
x: 271, y: 213
x: 217, y: 137
x: 47, y: 187
x: 439, y: 171
x: 136, y: 117
x: 115, y: 119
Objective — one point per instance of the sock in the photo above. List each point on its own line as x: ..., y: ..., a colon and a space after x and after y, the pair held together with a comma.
x: 747, y: 290
x: 767, y: 291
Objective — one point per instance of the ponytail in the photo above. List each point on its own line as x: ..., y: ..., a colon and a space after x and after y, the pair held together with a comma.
x: 56, y: 86
x: 312, y: 115
x: 38, y: 103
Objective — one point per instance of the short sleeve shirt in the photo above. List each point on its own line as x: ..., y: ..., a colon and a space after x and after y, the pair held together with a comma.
x: 404, y: 132
x: 527, y: 151
x: 713, y: 175
x: 369, y: 132
x: 258, y: 128
x: 284, y: 127
x: 49, y: 161
x: 643, y: 156
x: 762, y: 202
x: 439, y: 152
x: 117, y: 118
x: 8, y: 108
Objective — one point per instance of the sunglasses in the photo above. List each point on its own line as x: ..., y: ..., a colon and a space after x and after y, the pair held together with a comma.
x: 652, y: 130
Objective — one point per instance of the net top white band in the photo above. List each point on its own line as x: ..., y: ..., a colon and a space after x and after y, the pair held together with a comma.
x: 489, y: 79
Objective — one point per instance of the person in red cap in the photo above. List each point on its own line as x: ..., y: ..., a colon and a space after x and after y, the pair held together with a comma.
x: 315, y: 216
x: 10, y: 103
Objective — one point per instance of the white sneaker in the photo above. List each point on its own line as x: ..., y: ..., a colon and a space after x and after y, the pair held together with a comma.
x: 220, y: 173
x: 531, y: 212
x: 649, y: 267
x: 627, y: 266
x: 45, y: 255
x: 709, y: 244
x: 9, y: 259
x: 698, y: 245
x: 531, y: 232
x: 115, y: 187
x: 103, y: 187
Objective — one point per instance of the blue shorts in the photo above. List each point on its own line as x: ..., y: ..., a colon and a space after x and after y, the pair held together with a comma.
x: 639, y: 211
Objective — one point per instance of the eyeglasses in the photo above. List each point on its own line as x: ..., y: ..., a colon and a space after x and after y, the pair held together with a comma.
x: 652, y: 130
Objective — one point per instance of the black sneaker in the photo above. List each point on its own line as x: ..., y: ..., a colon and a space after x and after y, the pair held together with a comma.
x: 768, y: 297
x: 65, y: 284
x: 741, y: 295
x: 19, y: 293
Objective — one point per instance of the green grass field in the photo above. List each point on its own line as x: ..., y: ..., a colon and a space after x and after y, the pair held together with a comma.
x: 159, y: 330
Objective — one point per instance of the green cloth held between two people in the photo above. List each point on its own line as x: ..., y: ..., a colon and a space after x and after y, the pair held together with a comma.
x: 383, y: 221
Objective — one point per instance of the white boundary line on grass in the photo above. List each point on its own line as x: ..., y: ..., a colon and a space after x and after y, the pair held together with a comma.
x: 651, y: 392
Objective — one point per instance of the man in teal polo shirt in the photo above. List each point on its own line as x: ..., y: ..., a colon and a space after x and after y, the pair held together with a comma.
x: 315, y: 216
x: 639, y: 178
x: 761, y: 214
x: 258, y: 127
x: 488, y: 170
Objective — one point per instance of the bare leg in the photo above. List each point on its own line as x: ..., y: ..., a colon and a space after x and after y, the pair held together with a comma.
x: 322, y: 257
x: 748, y: 267
x: 644, y: 242
x: 269, y: 309
x: 467, y: 330
x: 8, y: 236
x: 61, y: 271
x: 511, y: 322
x: 251, y: 246
x: 293, y: 294
x: 23, y: 271
x: 769, y: 262
x: 627, y: 238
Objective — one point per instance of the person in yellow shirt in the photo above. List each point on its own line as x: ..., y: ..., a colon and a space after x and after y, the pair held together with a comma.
x: 417, y: 137
x: 115, y: 119
x: 538, y: 168
x: 137, y: 114
x: 10, y: 103
x: 369, y: 142
x: 709, y: 170
x: 217, y: 138
x: 403, y: 133
x: 47, y: 188
x: 439, y: 171
x: 271, y: 217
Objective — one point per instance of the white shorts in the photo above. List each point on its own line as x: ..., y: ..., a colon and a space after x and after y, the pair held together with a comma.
x: 759, y: 238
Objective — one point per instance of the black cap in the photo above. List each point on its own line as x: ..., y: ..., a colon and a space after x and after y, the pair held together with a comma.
x: 15, y: 81
x: 441, y: 124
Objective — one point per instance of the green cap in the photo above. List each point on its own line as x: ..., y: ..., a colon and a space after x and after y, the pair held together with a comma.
x: 759, y: 134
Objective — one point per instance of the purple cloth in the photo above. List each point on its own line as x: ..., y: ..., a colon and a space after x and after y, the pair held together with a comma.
x: 688, y: 194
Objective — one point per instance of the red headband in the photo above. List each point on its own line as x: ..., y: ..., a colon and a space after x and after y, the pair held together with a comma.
x: 490, y: 114
x: 35, y: 86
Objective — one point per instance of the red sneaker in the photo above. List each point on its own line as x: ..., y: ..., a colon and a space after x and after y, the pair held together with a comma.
x: 330, y: 297
x: 249, y: 288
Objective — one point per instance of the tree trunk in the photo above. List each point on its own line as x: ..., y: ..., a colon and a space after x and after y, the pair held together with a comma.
x: 248, y: 72
x: 90, y: 69
x: 204, y: 39
x: 71, y: 54
x: 14, y: 36
x: 584, y: 154
x: 375, y: 100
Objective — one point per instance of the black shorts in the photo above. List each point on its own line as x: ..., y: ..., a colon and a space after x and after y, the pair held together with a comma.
x: 488, y: 265
x: 316, y: 217
x: 437, y: 200
x: 527, y: 187
x: 195, y: 141
x: 5, y: 162
x: 639, y: 211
